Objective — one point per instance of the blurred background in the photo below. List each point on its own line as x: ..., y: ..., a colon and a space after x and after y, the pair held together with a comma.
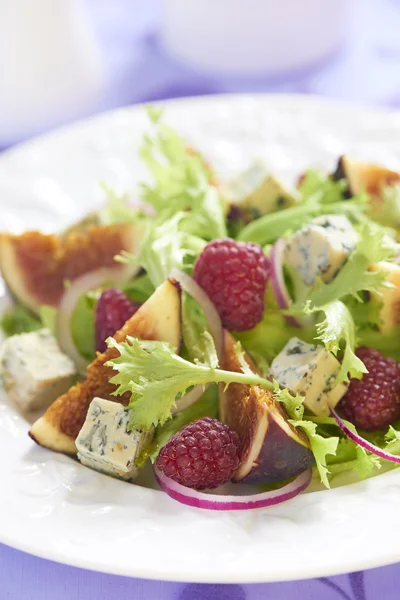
x: 65, y: 59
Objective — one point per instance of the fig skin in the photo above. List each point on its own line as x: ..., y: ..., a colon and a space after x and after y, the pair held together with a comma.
x: 159, y: 318
x: 272, y: 450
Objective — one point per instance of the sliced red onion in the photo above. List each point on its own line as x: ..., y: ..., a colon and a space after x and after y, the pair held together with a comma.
x: 191, y: 497
x: 78, y: 287
x: 188, y: 399
x: 362, y: 442
x: 278, y: 281
x: 214, y: 322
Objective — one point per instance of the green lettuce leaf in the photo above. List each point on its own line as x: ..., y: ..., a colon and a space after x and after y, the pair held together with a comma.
x: 389, y: 207
x: 48, y: 317
x: 319, y: 185
x: 83, y: 322
x: 338, y: 329
x: 194, y: 326
x: 117, y: 209
x: 319, y: 194
x: 349, y: 456
x: 181, y: 183
x: 156, y: 376
x: 19, y: 320
x: 354, y: 277
x: 320, y: 446
x: 164, y: 247
x: 139, y: 289
x: 206, y: 406
x: 268, y: 338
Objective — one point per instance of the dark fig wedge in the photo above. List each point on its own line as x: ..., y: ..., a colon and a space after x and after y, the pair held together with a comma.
x: 365, y: 177
x: 272, y: 450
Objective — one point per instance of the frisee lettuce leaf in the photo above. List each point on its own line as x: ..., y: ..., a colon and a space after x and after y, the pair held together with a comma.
x: 194, y: 325
x: 319, y: 194
x: 206, y: 406
x: 164, y: 247
x: 319, y: 185
x: 320, y: 447
x: 354, y: 277
x: 348, y: 456
x: 117, y: 208
x: 155, y: 376
x: 181, y: 183
x: 336, y: 329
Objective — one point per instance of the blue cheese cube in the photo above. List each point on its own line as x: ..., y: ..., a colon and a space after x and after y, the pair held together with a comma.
x: 310, y: 371
x: 105, y: 443
x: 256, y: 189
x: 321, y: 248
x: 34, y: 370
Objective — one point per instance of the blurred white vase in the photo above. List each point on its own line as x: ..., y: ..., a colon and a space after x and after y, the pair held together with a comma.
x: 252, y: 37
x: 50, y: 67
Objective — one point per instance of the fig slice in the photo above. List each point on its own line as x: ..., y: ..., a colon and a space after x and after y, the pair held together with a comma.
x: 272, y: 450
x: 366, y: 177
x: 157, y: 319
x: 35, y: 265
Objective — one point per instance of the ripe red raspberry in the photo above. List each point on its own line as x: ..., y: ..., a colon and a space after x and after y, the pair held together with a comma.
x: 113, y: 309
x: 373, y: 402
x: 235, y: 276
x: 202, y: 455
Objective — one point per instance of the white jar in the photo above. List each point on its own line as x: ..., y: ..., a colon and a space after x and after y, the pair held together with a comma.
x: 252, y: 37
x: 50, y: 68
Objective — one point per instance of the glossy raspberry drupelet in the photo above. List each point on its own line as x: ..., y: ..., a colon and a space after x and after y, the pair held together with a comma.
x: 373, y: 402
x: 202, y: 455
x: 235, y: 276
x: 113, y: 309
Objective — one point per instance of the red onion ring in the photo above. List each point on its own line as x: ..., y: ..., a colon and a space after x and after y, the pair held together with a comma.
x: 191, y: 497
x: 79, y: 286
x: 214, y: 322
x: 188, y: 399
x: 278, y: 282
x: 362, y: 442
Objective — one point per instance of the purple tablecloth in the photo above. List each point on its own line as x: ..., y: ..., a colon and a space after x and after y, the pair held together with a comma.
x: 366, y: 69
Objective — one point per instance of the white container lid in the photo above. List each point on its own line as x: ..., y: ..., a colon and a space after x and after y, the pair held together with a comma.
x: 252, y: 37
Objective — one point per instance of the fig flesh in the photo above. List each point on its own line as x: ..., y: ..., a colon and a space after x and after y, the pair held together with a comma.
x: 272, y: 450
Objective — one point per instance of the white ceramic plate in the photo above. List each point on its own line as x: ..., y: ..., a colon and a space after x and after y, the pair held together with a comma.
x: 52, y: 506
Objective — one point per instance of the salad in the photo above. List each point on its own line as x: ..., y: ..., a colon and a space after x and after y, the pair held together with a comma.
x: 235, y: 331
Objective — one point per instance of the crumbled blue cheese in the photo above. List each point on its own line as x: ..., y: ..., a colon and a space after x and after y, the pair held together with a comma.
x: 105, y: 443
x: 310, y: 371
x: 34, y: 369
x: 321, y: 248
x: 255, y: 188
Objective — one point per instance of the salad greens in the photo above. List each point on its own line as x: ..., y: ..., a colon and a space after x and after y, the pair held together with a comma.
x: 183, y: 209
x: 155, y: 376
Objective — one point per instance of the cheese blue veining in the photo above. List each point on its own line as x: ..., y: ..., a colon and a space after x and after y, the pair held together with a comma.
x: 310, y: 371
x: 321, y: 248
x: 106, y: 444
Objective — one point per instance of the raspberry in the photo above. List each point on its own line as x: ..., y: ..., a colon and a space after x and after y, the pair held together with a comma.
x: 202, y: 455
x: 113, y: 309
x: 373, y: 402
x: 235, y: 276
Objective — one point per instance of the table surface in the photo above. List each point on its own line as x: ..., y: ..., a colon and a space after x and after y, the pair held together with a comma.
x: 366, y: 69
